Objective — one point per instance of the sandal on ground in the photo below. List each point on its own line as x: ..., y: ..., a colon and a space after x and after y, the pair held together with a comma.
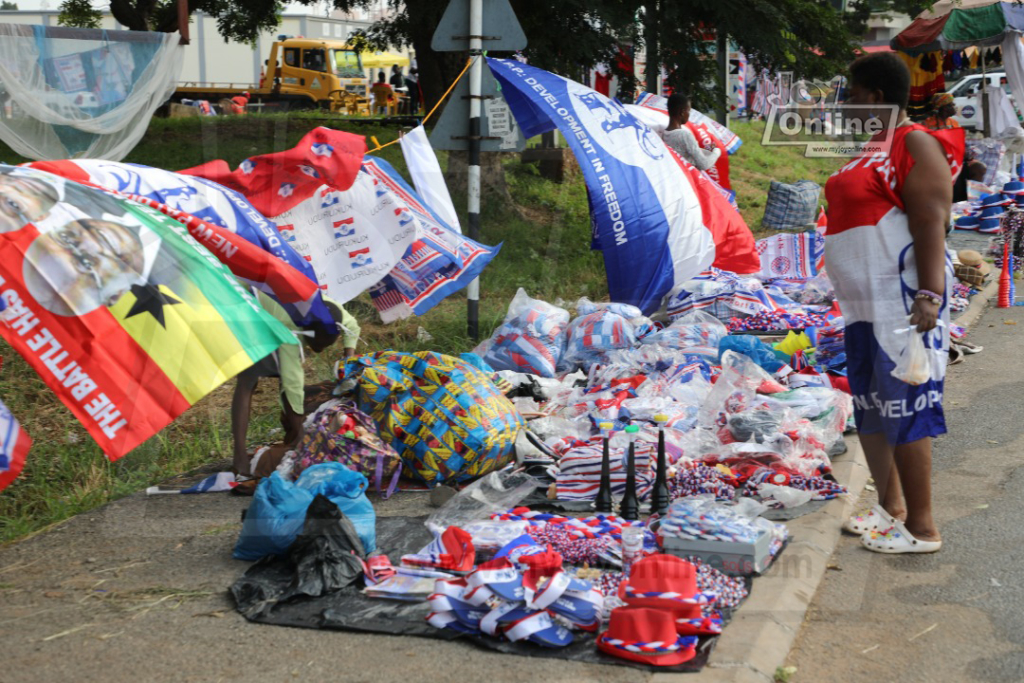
x: 970, y: 349
x: 956, y: 354
x: 896, y: 540
x: 867, y: 521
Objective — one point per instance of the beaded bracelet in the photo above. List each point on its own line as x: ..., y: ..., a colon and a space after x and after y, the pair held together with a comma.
x: 929, y: 296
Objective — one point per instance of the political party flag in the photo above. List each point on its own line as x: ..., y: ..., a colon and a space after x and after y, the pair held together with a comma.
x: 14, y: 446
x: 210, y: 210
x: 646, y: 213
x: 121, y: 312
x: 351, y: 238
x: 729, y: 139
x: 276, y: 182
x: 427, y: 176
x: 735, y: 247
x: 440, y: 261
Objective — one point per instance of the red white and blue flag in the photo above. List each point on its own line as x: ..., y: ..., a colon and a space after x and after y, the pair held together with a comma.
x: 644, y: 204
x: 14, y: 445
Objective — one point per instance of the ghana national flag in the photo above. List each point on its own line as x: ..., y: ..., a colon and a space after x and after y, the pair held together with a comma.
x: 118, y: 308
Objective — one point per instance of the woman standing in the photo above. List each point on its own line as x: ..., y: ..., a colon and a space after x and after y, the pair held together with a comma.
x: 886, y: 255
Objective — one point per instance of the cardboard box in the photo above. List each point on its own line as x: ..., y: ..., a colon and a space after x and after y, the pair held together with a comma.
x: 735, y: 559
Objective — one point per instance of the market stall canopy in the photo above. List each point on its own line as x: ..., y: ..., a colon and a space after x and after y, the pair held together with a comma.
x: 955, y: 27
x: 375, y: 60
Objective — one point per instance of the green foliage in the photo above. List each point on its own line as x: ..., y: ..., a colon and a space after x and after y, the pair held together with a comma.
x: 5, y: 5
x: 74, y: 13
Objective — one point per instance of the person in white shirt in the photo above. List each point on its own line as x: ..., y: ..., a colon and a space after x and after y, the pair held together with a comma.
x: 681, y: 139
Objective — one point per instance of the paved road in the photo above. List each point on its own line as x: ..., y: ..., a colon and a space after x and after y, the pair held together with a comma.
x: 958, y: 615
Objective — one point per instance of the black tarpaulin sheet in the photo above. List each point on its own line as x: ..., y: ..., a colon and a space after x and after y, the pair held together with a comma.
x: 349, y: 610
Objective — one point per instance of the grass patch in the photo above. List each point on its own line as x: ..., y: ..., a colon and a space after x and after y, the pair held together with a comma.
x: 545, y: 237
x: 754, y: 166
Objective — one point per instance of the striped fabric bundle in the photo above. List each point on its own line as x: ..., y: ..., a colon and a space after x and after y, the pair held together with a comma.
x: 579, y: 470
x: 723, y: 294
x: 593, y: 336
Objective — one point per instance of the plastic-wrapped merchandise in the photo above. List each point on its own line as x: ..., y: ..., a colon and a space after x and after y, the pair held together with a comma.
x: 580, y: 467
x: 815, y: 291
x: 593, y: 336
x: 735, y: 389
x: 490, y: 536
x: 702, y: 518
x: 531, y: 339
x: 496, y: 492
x: 585, y: 306
x: 696, y: 329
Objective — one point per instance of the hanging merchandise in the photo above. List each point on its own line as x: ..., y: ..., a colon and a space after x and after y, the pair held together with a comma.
x: 444, y: 417
x: 926, y: 79
x: 790, y: 255
x: 83, y: 92
x: 278, y: 181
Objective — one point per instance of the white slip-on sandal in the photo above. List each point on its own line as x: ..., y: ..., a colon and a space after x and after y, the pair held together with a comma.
x: 866, y: 521
x: 896, y: 540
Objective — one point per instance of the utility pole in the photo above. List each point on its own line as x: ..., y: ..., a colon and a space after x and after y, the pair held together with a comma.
x: 455, y: 34
x: 476, y: 74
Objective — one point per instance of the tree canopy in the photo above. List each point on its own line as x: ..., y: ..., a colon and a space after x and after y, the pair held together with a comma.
x: 809, y: 37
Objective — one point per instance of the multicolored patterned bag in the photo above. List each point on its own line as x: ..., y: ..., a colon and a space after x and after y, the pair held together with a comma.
x: 444, y: 417
x: 340, y: 432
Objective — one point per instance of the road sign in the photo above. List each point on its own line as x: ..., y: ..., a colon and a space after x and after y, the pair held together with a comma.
x: 497, y: 121
x: 501, y: 30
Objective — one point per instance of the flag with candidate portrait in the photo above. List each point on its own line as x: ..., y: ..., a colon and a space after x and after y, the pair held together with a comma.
x: 119, y: 309
x: 200, y: 202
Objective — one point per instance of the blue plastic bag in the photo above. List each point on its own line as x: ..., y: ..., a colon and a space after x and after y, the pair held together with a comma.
x: 278, y: 509
x: 750, y: 346
x: 273, y: 520
x: 346, y: 489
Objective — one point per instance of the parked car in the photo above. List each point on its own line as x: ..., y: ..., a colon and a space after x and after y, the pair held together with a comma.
x: 964, y: 94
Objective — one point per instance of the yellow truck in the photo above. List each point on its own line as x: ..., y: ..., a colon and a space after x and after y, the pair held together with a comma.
x: 301, y: 73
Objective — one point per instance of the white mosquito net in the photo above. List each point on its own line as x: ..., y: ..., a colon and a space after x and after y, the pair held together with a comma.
x: 87, y: 93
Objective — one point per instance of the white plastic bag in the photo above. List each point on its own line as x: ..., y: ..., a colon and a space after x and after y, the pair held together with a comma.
x: 915, y: 363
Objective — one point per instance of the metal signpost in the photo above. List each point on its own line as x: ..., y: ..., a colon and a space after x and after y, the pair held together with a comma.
x: 467, y: 25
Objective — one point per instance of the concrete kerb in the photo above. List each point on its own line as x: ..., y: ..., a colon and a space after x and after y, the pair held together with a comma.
x: 763, y: 631
x: 979, y: 302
